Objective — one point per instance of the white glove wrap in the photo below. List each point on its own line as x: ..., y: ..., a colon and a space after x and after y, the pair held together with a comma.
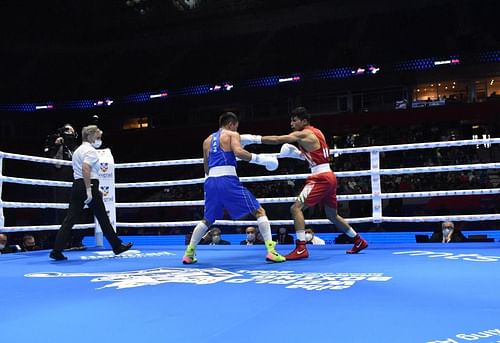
x: 89, y: 196
x: 250, y: 139
x: 269, y: 161
x: 291, y: 151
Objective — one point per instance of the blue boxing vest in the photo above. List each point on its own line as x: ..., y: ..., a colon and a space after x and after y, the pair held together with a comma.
x: 218, y: 157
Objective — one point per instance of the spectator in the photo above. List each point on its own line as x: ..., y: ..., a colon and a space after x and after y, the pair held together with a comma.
x: 311, y: 238
x: 214, y: 237
x: 259, y: 239
x: 4, y: 247
x: 29, y: 244
x: 3, y: 244
x: 251, y: 239
x: 448, y: 233
x: 283, y: 237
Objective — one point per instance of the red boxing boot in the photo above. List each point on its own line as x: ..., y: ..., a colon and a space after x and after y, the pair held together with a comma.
x: 359, y: 244
x: 299, y: 252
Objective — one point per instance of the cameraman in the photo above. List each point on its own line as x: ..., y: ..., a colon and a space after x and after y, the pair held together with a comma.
x: 61, y: 145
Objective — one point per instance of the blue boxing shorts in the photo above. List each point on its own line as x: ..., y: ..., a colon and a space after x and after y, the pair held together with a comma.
x: 227, y: 192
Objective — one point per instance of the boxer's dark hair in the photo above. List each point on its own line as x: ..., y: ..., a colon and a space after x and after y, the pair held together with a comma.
x: 227, y: 118
x: 301, y: 113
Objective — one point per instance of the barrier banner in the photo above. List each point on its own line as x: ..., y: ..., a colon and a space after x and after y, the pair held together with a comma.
x: 107, y: 187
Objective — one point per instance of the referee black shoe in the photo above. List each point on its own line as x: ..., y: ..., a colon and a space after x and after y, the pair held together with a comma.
x: 122, y: 248
x: 57, y: 255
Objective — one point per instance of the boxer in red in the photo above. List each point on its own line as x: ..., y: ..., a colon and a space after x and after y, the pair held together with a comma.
x: 321, y: 185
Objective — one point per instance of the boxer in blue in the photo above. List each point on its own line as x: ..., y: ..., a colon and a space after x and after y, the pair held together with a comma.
x: 223, y: 189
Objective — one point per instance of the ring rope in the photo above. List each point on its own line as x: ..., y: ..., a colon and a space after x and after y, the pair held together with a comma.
x: 396, y: 147
x: 336, y: 152
x: 483, y: 191
x: 376, y: 148
x: 44, y: 227
x: 11, y: 204
x: 472, y: 217
x: 36, y: 182
x: 422, y: 219
x: 188, y: 161
x: 286, y: 177
x: 276, y: 200
x: 435, y: 169
x: 34, y: 158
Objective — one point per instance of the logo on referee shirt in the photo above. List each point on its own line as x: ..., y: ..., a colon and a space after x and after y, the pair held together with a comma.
x: 104, y: 190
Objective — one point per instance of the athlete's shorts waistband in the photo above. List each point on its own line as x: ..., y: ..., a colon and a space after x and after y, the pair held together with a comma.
x: 321, y: 168
x: 222, y: 171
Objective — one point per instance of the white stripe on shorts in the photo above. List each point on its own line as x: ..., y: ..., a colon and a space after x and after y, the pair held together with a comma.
x: 305, y: 193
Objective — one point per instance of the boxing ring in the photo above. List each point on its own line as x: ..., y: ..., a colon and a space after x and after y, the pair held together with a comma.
x: 396, y: 292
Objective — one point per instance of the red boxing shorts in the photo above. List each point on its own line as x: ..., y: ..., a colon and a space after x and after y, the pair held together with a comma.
x: 320, y: 189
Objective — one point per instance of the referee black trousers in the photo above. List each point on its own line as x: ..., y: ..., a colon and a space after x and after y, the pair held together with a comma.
x: 76, y: 203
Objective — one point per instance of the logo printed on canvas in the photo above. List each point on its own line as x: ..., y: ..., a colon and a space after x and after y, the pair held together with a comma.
x: 450, y: 256
x: 465, y: 337
x: 206, y: 276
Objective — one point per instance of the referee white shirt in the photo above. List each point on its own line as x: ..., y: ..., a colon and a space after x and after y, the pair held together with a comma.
x: 85, y: 153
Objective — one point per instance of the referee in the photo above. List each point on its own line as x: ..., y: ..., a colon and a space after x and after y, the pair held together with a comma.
x: 85, y: 191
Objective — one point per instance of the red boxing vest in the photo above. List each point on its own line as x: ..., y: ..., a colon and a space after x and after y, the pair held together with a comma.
x: 319, y: 156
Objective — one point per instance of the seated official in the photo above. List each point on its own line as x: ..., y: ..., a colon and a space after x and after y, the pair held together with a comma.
x: 213, y: 237
x: 311, y: 238
x: 29, y: 244
x: 251, y: 236
x: 448, y: 233
x: 5, y: 248
x: 283, y: 237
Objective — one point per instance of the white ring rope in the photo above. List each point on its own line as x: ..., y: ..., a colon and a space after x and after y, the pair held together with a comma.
x: 436, y: 169
x: 349, y: 197
x: 33, y: 159
x: 483, y: 191
x: 9, y: 204
x: 286, y: 177
x: 473, y: 217
x: 160, y: 163
x: 376, y: 148
x: 44, y: 227
x: 422, y: 219
x: 36, y: 182
x: 447, y: 144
